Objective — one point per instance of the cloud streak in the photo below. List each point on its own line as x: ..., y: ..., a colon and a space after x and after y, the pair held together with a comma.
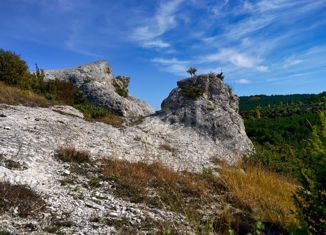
x: 234, y: 57
x: 172, y: 65
x: 251, y: 41
x: 242, y: 81
x: 148, y: 35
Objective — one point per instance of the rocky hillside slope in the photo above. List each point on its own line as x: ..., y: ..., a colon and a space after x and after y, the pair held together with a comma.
x: 198, y: 124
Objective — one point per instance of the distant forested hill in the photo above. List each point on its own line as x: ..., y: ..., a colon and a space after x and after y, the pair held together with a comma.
x: 282, y: 122
x: 259, y: 106
x: 251, y: 102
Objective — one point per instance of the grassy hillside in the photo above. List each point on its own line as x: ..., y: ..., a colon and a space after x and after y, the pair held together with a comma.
x: 289, y: 133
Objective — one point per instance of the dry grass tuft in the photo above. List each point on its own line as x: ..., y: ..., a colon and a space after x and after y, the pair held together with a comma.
x: 19, y: 199
x: 111, y: 119
x: 154, y: 175
x: 157, y: 186
x: 267, y: 194
x: 70, y: 154
x: 14, y: 96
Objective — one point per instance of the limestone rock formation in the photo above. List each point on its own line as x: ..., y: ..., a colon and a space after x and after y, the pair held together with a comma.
x: 208, y: 105
x: 198, y: 123
x: 100, y: 87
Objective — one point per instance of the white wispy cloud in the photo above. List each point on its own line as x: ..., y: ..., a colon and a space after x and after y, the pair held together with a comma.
x: 169, y: 61
x: 248, y: 26
x: 242, y: 81
x: 262, y: 68
x: 172, y: 65
x: 236, y: 58
x: 291, y: 61
x: 157, y: 43
x: 218, y: 9
x: 264, y: 6
x: 304, y: 65
x: 148, y: 34
x: 265, y: 29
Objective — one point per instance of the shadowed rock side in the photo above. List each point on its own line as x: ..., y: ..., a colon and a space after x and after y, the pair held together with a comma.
x: 207, y: 104
x: 100, y: 87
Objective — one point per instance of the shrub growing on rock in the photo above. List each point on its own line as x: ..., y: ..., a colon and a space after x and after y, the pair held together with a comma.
x: 192, y: 92
x: 120, y: 84
x: 121, y: 91
x: 70, y: 154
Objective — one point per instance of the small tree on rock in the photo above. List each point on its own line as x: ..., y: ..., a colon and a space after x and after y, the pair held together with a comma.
x: 192, y: 71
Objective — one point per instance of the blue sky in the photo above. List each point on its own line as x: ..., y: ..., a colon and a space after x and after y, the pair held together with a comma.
x: 262, y: 46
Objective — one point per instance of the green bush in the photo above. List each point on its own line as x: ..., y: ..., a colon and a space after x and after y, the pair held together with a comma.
x: 91, y: 111
x: 13, y: 70
x: 192, y: 92
x: 121, y: 91
x: 229, y: 89
x: 94, y: 182
x: 311, y: 198
x: 70, y: 154
x: 120, y: 84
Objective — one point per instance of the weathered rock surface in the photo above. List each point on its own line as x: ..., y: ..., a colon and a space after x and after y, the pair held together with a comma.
x: 206, y: 104
x: 199, y: 122
x: 30, y: 132
x: 100, y: 87
x: 203, y: 103
x: 30, y: 136
x: 29, y: 139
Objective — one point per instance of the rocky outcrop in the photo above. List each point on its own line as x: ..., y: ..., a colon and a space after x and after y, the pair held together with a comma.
x: 208, y: 105
x: 198, y: 123
x: 203, y: 103
x: 98, y: 84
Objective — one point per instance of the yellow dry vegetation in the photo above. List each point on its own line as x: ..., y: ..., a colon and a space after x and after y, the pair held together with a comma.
x: 267, y: 194
x: 14, y: 96
x: 155, y: 175
x: 111, y: 119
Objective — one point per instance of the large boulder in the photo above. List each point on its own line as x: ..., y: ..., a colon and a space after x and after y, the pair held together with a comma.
x: 208, y: 105
x: 98, y: 84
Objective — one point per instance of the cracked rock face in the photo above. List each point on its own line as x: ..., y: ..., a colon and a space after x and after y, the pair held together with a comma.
x: 98, y: 84
x: 207, y: 104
